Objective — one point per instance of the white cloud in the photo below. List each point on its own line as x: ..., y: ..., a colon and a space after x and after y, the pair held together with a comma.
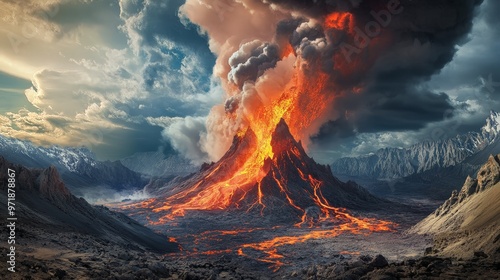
x: 185, y: 134
x: 82, y: 86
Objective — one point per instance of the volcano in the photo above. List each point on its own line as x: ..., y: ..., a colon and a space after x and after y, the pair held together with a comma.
x: 290, y: 187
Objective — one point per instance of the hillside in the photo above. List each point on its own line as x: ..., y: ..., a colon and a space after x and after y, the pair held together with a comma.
x: 469, y: 221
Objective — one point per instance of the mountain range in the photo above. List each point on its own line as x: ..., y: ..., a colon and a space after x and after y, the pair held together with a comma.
x: 78, y: 167
x: 430, y: 168
x: 43, y: 202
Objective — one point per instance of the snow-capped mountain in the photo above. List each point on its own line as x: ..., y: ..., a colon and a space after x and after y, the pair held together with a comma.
x: 67, y: 158
x: 78, y: 166
x: 392, y: 163
x: 491, y: 130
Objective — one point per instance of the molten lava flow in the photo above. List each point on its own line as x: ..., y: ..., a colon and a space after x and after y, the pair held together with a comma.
x: 217, y: 192
x: 301, y: 104
x: 265, y: 160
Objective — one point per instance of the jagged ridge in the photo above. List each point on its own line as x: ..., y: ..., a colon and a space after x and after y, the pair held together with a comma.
x: 390, y: 163
x: 78, y: 166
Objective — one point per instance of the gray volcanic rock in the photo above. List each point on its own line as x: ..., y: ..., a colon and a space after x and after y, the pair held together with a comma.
x: 390, y: 163
x: 77, y: 166
x: 423, y: 268
x: 469, y: 221
x: 43, y: 201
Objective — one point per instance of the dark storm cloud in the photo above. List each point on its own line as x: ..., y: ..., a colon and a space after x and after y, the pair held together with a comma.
x: 340, y: 128
x: 408, y: 48
x: 399, y: 112
x: 492, y: 11
x: 411, y: 111
x: 474, y: 74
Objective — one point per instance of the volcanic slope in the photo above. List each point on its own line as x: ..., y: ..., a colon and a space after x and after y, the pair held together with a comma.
x: 292, y: 187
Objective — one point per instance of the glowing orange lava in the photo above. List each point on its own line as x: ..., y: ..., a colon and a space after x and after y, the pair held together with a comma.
x: 217, y: 194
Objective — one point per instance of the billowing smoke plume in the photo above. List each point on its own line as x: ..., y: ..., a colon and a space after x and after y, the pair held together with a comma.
x: 362, y: 59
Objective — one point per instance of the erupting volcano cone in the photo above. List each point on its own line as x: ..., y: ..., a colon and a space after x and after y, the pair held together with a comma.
x: 290, y: 186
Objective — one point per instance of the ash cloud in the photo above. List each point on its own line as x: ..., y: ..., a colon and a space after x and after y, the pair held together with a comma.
x: 251, y: 60
x: 375, y: 64
x: 414, y: 45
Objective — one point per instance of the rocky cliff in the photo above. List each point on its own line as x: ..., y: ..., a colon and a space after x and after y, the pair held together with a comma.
x: 469, y: 221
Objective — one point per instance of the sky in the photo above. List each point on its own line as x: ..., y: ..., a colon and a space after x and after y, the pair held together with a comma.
x: 129, y: 76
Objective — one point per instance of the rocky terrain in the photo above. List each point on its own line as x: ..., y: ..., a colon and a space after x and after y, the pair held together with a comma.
x: 78, y: 167
x: 48, y: 255
x: 466, y: 239
x: 428, y: 267
x: 63, y: 237
x: 468, y: 222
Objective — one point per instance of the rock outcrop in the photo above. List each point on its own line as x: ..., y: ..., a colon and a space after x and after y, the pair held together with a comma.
x: 469, y: 221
